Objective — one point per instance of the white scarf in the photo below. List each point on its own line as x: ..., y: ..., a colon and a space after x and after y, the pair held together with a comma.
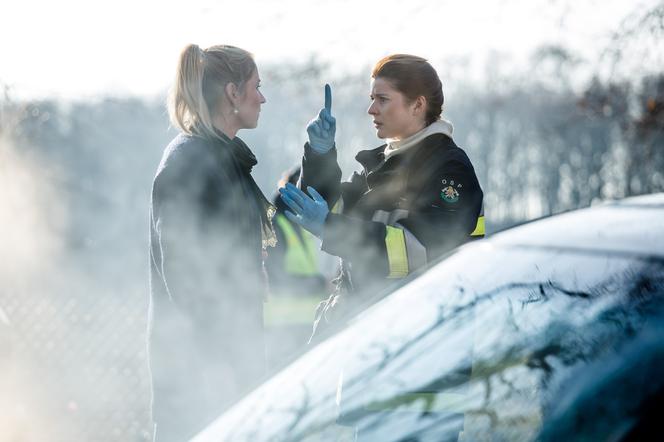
x: 395, y: 146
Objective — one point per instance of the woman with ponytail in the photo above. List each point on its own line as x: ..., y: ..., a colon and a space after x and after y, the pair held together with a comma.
x: 209, y: 228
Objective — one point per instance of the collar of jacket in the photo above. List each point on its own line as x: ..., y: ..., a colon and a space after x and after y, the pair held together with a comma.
x: 372, y: 158
x: 396, y: 147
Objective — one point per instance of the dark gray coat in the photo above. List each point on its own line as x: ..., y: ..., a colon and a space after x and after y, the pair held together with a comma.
x: 207, y: 286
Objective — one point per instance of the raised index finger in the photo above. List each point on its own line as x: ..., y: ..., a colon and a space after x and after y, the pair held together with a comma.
x: 328, y: 98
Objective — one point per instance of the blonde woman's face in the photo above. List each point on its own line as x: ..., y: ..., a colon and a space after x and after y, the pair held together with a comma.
x: 249, y: 105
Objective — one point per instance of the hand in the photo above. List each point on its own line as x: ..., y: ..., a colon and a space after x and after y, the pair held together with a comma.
x: 321, y: 129
x: 307, y: 212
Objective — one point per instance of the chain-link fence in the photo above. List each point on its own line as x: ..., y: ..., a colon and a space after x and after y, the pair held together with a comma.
x: 75, y: 366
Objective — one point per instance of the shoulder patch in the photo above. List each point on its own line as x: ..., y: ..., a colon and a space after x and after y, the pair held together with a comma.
x: 451, y: 191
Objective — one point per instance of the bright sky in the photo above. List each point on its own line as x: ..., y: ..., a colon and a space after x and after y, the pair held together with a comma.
x: 82, y: 48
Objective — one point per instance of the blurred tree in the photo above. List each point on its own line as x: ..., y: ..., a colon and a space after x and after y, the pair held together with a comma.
x: 647, y: 138
x: 636, y: 44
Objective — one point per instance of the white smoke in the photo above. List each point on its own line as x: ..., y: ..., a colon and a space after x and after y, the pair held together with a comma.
x: 30, y: 246
x: 29, y: 215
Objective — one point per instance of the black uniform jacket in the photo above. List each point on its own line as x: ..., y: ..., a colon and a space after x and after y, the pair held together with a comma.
x: 396, y: 214
x: 207, y: 286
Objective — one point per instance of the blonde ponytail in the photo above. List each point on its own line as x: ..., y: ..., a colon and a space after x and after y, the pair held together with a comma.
x: 200, y: 80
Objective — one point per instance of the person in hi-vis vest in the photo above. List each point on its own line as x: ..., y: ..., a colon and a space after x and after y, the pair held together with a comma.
x: 415, y: 198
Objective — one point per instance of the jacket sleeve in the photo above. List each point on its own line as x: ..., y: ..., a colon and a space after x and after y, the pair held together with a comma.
x: 322, y: 172
x: 441, y: 215
x: 445, y: 210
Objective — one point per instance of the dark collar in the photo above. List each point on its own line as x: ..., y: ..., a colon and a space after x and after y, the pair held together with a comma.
x: 371, y: 158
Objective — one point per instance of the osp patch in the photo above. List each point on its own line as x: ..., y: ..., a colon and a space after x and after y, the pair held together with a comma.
x: 451, y: 191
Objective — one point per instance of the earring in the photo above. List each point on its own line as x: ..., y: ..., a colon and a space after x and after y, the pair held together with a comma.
x: 235, y: 111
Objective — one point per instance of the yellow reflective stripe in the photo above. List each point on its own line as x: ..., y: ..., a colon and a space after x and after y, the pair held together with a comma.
x: 422, y: 402
x: 397, y: 257
x: 297, y: 261
x: 338, y: 206
x: 479, y: 228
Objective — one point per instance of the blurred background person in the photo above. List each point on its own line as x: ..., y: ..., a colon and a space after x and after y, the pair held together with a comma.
x: 416, y: 197
x: 209, y: 228
x: 299, y: 274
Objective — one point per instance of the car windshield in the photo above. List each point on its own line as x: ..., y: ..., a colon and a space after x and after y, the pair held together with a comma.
x: 475, y: 346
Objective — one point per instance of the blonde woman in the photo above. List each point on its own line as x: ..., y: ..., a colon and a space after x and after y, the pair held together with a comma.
x: 209, y: 227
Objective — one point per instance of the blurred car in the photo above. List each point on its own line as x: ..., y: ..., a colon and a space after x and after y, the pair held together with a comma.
x: 547, y: 331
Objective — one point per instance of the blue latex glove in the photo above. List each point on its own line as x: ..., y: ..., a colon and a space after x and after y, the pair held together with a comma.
x: 321, y: 129
x: 307, y: 212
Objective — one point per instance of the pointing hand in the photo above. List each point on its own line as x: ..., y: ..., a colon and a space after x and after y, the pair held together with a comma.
x: 321, y: 130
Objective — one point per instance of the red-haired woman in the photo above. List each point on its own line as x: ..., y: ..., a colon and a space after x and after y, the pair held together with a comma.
x: 415, y: 198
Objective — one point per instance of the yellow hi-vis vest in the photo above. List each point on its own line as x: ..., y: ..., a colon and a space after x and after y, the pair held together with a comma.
x: 404, y: 252
x: 301, y: 255
x: 479, y: 228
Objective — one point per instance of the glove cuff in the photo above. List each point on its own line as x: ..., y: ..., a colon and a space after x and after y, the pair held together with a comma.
x: 320, y: 149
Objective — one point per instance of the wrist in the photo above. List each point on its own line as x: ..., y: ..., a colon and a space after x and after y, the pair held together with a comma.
x: 320, y: 225
x: 320, y: 148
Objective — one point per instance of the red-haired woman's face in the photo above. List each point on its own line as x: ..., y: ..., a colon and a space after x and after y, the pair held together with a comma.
x: 394, y: 116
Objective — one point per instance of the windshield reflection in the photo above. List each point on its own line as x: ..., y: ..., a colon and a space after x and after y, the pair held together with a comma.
x: 458, y: 355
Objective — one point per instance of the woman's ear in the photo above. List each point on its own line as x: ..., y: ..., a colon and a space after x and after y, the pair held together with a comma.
x: 231, y: 93
x: 420, y: 106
